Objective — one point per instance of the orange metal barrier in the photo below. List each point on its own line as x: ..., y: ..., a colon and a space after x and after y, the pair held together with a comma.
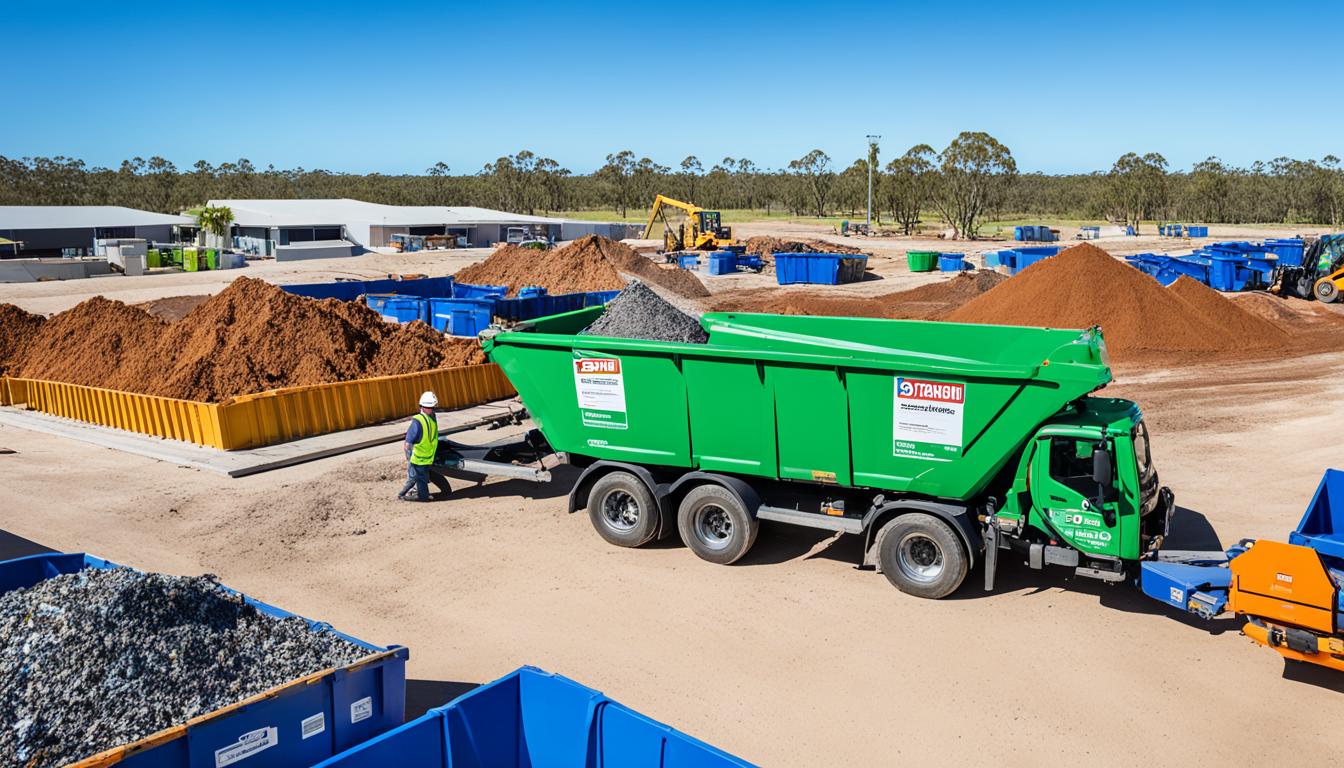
x: 251, y: 421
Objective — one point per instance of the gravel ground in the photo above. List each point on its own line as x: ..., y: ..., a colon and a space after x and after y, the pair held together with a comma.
x: 101, y: 658
x: 639, y: 313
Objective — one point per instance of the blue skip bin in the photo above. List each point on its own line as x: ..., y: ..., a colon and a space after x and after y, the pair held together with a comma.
x: 469, y: 291
x: 819, y: 268
x: 533, y: 718
x: 396, y: 308
x: 463, y: 317
x: 722, y: 263
x: 299, y: 723
x: 952, y: 262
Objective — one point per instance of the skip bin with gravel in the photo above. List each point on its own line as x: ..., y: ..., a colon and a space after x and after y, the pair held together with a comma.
x: 104, y: 656
x: 639, y: 313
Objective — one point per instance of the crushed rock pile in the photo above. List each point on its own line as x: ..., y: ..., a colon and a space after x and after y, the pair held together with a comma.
x: 101, y: 658
x: 639, y: 313
x: 250, y: 337
x: 1085, y: 286
x: 591, y: 263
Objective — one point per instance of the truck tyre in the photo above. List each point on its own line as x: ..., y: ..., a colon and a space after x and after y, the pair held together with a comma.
x: 1326, y: 291
x: 715, y: 525
x: 922, y: 556
x: 623, y: 510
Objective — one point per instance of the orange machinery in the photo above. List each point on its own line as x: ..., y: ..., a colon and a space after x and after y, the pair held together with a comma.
x: 1288, y: 593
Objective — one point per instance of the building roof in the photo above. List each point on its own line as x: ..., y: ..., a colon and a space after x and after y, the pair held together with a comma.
x: 82, y: 217
x: 297, y: 213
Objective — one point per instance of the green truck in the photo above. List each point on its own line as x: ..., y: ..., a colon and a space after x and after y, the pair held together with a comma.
x: 938, y: 443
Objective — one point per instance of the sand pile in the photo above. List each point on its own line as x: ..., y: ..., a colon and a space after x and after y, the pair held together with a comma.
x: 590, y: 263
x: 172, y: 308
x: 16, y: 326
x: 765, y: 245
x: 250, y: 337
x: 1085, y: 286
x: 926, y: 302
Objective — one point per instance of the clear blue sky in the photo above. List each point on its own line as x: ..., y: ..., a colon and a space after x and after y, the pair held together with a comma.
x: 395, y: 87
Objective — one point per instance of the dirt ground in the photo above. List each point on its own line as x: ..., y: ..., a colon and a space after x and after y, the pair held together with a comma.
x: 792, y: 657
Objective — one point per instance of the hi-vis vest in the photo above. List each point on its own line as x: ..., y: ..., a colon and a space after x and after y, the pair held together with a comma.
x: 423, y: 451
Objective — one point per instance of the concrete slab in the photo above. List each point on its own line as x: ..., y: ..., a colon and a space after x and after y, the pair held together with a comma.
x: 250, y: 462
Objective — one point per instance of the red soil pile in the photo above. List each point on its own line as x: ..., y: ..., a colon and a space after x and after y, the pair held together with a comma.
x: 765, y: 245
x: 923, y: 303
x: 249, y: 338
x: 16, y: 327
x: 1223, y: 313
x: 1085, y: 286
x: 590, y: 263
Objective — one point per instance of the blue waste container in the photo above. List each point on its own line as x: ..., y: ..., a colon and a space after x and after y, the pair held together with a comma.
x: 952, y: 262
x: 461, y: 317
x: 535, y: 719
x: 469, y: 291
x: 396, y: 308
x: 722, y: 263
x: 1227, y: 272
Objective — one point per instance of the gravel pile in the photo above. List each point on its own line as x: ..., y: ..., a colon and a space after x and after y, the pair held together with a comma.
x: 639, y: 313
x: 100, y: 658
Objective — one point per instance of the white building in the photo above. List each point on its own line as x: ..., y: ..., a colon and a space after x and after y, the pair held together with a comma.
x: 72, y: 230
x: 296, y: 229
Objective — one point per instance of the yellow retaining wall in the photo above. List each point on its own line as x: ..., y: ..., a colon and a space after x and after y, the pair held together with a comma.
x: 251, y: 421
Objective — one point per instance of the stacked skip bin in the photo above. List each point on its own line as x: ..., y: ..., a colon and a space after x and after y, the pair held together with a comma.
x: 353, y: 715
x: 1183, y: 230
x: 458, y: 309
x: 716, y: 263
x: 1035, y: 233
x: 1226, y: 266
x: 1015, y: 260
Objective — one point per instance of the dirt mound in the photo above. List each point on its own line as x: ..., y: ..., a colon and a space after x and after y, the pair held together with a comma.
x: 926, y: 302
x: 1223, y: 313
x: 1085, y: 286
x: 16, y: 327
x: 172, y: 308
x: 251, y: 337
x: 765, y: 245
x: 590, y: 263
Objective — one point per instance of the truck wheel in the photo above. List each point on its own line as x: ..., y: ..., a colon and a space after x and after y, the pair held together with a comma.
x: 1326, y: 291
x: 715, y: 525
x: 922, y: 556
x: 623, y: 510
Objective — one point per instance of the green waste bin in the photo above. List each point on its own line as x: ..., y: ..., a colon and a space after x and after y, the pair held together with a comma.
x: 211, y: 259
x: 152, y: 259
x: 176, y: 257
x: 190, y: 261
x: 922, y: 261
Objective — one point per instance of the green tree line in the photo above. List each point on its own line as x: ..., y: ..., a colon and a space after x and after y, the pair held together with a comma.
x: 973, y: 179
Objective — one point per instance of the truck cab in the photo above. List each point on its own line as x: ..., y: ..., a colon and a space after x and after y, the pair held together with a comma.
x: 1086, y: 493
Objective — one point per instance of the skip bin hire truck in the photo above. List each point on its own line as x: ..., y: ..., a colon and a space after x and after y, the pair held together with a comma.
x: 938, y: 443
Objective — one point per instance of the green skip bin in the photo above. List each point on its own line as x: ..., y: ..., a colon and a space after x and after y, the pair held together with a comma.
x: 922, y: 261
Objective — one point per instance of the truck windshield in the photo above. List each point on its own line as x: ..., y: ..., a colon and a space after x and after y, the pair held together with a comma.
x: 1141, y: 455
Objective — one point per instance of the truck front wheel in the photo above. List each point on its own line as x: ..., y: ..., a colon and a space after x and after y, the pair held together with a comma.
x: 623, y: 510
x: 715, y: 525
x: 922, y: 556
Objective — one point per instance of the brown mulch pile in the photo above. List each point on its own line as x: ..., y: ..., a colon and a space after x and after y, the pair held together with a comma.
x: 591, y: 263
x: 927, y: 302
x: 1085, y: 286
x: 251, y: 337
x: 765, y: 245
x: 16, y: 327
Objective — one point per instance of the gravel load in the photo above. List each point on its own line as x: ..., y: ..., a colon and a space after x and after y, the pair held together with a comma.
x: 639, y: 313
x: 101, y: 658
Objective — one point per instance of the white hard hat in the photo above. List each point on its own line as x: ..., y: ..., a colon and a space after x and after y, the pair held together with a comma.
x: 428, y: 400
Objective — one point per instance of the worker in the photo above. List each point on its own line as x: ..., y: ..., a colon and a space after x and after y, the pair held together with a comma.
x: 422, y: 443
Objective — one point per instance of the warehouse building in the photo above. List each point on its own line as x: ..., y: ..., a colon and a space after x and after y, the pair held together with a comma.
x: 73, y: 230
x: 300, y: 229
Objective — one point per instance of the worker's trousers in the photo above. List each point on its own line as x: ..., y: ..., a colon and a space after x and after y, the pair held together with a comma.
x: 419, y: 476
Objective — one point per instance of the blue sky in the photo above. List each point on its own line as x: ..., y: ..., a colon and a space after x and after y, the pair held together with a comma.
x: 395, y: 87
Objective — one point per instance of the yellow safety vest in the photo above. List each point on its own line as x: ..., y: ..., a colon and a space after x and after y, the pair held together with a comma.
x: 423, y: 452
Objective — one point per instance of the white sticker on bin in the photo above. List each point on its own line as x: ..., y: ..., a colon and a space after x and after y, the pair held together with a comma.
x: 247, y: 745
x: 311, y: 726
x: 362, y: 709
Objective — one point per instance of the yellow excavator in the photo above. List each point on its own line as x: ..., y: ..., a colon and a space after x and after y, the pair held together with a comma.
x: 689, y: 227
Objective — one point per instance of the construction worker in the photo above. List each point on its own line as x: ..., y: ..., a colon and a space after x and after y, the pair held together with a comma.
x: 422, y: 443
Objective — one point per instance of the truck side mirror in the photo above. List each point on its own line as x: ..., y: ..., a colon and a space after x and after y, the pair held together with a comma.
x: 1101, y: 466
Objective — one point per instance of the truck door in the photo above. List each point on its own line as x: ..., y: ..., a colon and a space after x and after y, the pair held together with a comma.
x: 1075, y: 507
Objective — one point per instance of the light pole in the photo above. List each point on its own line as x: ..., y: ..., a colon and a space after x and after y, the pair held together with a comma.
x: 872, y: 151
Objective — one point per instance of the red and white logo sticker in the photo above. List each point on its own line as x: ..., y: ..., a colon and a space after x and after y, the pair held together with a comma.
x: 598, y: 365
x: 937, y: 391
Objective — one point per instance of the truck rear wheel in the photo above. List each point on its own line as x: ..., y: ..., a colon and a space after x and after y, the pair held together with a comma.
x: 715, y: 525
x: 922, y: 556
x: 623, y: 510
x: 1326, y: 291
